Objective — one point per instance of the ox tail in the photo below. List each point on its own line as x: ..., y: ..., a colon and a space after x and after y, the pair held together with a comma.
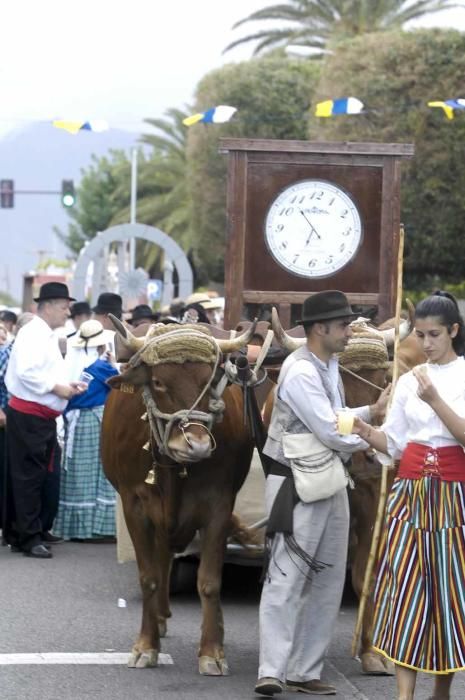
x: 241, y: 534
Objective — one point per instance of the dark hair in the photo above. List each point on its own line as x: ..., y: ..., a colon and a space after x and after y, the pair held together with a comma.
x: 444, y: 306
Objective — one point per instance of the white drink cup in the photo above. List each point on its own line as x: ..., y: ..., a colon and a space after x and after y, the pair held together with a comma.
x: 345, y: 422
x: 85, y: 378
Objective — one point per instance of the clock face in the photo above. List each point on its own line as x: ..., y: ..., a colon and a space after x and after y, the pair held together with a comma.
x: 313, y: 228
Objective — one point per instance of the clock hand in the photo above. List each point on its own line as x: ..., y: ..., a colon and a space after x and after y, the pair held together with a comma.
x: 311, y: 226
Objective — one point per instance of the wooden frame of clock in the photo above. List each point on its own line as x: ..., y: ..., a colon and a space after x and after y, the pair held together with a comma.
x: 308, y: 216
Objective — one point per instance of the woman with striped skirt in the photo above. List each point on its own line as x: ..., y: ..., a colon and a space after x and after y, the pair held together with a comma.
x: 420, y: 590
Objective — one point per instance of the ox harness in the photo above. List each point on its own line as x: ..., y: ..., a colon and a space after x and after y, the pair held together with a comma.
x: 161, y: 423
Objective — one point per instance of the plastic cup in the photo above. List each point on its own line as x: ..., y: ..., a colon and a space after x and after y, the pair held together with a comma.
x: 345, y: 422
x: 85, y: 378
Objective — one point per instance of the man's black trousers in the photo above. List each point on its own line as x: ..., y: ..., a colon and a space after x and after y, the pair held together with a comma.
x: 34, y: 475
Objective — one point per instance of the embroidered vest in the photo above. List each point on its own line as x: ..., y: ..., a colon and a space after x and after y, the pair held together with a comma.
x: 283, y: 418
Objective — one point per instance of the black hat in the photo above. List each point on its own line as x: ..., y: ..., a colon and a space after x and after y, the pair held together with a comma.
x: 142, y: 311
x: 79, y: 308
x: 53, y: 290
x: 325, y: 306
x: 109, y: 303
x: 8, y: 316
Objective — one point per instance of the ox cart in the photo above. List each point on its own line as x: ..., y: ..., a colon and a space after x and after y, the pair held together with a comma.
x: 249, y: 500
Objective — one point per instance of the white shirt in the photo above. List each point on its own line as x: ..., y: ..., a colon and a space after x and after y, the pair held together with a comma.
x: 412, y: 420
x: 36, y: 365
x: 303, y: 390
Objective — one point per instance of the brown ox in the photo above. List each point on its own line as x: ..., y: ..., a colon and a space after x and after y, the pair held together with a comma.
x: 365, y: 370
x: 176, y: 486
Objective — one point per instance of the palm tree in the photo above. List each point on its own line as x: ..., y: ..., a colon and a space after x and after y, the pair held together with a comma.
x: 162, y: 184
x: 318, y: 23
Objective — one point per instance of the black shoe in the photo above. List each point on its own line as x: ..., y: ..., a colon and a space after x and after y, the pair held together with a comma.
x: 268, y: 686
x: 51, y: 539
x: 39, y: 551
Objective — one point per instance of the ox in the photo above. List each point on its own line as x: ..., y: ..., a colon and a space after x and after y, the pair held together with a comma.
x: 365, y: 370
x: 179, y: 484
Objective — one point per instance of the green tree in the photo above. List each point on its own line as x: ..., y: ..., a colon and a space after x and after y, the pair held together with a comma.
x: 103, y: 196
x: 162, y: 191
x: 272, y: 95
x: 103, y: 192
x: 404, y: 72
x: 322, y: 23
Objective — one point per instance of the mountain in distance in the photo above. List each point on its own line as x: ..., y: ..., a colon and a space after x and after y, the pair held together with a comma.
x: 39, y: 157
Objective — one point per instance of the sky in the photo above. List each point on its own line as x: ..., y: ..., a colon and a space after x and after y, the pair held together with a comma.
x: 117, y: 60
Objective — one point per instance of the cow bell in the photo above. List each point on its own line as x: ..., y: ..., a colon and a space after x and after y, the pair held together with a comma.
x: 151, y: 477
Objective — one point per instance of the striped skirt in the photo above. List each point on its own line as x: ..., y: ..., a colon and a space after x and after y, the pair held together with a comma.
x: 87, y: 499
x: 420, y: 589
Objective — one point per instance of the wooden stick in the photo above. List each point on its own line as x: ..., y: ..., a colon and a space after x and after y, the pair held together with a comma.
x: 366, y: 590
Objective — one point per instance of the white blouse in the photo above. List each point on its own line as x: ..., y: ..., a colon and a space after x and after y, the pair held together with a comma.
x: 412, y: 420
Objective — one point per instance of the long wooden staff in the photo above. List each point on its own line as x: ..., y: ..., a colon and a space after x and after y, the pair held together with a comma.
x: 384, y: 471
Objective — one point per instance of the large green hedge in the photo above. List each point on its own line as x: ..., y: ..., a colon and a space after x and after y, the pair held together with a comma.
x: 273, y: 95
x: 395, y: 75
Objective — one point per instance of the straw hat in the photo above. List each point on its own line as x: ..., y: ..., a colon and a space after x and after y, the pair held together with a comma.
x: 204, y: 300
x: 92, y: 334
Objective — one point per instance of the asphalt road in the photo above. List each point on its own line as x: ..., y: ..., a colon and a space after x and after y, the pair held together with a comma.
x: 69, y: 604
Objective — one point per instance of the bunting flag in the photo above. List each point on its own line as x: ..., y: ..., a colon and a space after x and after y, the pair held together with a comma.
x: 215, y: 115
x: 73, y: 127
x: 448, y: 106
x: 344, y: 105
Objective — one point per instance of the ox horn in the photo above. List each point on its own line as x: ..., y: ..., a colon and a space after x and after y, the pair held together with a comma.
x: 128, y: 339
x: 282, y: 337
x: 230, y: 345
x: 405, y: 328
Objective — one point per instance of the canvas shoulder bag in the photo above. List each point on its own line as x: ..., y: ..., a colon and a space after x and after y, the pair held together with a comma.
x: 317, y: 470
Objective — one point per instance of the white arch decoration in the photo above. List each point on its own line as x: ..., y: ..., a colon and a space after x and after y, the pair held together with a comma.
x: 94, y: 251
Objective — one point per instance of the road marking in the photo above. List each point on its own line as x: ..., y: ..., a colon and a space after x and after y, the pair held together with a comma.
x: 99, y: 658
x: 357, y: 694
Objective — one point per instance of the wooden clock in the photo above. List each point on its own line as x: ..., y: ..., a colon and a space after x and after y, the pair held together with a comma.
x: 308, y: 216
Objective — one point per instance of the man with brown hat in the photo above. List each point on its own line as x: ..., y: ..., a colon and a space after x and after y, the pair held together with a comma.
x: 36, y: 380
x: 308, y: 526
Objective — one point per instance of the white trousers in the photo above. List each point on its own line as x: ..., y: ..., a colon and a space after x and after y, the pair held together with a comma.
x: 297, y: 615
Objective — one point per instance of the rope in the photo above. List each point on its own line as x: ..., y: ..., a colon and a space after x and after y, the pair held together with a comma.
x: 161, y: 424
x: 264, y: 351
x: 357, y: 376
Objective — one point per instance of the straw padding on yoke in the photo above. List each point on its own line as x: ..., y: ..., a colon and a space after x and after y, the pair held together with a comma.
x: 189, y: 343
x: 365, y: 350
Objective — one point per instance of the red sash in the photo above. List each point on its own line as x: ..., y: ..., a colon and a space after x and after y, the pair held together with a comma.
x: 446, y: 463
x: 32, y: 408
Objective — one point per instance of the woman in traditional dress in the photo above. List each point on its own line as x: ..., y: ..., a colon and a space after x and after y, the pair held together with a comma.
x: 420, y: 591
x: 87, y: 499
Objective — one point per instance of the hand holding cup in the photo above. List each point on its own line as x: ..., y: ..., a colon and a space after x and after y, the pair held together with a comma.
x: 345, y: 422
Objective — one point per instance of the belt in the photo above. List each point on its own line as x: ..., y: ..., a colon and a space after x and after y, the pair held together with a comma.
x: 446, y: 463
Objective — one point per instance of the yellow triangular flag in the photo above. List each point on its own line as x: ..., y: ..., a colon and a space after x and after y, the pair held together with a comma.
x: 449, y: 111
x: 324, y: 109
x: 71, y: 127
x: 188, y: 121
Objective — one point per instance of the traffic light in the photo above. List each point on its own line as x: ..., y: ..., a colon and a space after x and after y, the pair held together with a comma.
x: 7, y: 194
x: 68, y: 197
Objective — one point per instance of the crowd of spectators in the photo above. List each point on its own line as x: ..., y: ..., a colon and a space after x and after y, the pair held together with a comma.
x: 52, y: 395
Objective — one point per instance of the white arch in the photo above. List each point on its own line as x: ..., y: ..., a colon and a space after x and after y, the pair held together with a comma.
x: 123, y: 233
